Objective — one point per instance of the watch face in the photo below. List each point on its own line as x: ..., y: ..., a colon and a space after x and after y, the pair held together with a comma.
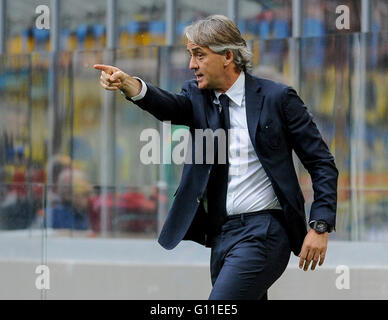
x: 321, y: 227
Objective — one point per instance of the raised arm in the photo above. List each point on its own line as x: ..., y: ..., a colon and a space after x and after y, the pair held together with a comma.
x: 163, y: 105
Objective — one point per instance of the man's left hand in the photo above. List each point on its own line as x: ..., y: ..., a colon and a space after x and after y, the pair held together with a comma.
x: 313, y: 249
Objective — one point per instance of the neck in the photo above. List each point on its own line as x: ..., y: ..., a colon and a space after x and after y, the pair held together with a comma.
x: 229, y: 79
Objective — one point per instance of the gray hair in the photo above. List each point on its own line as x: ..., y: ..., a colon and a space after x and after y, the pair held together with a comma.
x: 220, y: 35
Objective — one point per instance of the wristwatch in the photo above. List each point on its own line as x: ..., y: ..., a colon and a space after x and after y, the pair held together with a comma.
x: 320, y: 226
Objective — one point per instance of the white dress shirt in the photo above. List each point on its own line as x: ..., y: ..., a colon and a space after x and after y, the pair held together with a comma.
x: 249, y: 188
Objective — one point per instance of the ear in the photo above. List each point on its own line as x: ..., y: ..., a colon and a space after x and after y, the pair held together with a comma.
x: 229, y: 56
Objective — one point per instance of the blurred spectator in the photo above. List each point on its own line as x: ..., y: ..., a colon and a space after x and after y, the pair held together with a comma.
x: 71, y: 212
x: 15, y: 212
x: 55, y: 166
x: 129, y: 211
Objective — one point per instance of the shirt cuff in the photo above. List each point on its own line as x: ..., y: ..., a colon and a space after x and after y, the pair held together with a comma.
x: 142, y: 93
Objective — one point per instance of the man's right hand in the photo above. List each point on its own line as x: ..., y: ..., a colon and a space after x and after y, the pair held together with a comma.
x: 113, y: 78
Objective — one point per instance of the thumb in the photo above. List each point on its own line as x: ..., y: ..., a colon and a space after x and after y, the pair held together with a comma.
x: 118, y: 75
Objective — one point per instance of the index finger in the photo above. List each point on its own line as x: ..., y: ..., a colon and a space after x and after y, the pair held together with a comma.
x: 104, y: 67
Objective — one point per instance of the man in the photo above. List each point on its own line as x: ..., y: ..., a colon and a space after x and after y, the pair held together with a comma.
x: 252, y: 220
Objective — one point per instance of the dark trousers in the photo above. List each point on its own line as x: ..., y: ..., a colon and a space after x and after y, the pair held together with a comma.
x: 249, y: 254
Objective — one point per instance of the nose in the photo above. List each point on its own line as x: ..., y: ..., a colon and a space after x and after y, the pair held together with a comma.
x: 193, y: 63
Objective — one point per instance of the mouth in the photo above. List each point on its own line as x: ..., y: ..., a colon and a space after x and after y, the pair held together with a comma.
x: 199, y: 76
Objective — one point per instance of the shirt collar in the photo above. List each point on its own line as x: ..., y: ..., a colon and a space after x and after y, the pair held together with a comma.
x: 236, y: 91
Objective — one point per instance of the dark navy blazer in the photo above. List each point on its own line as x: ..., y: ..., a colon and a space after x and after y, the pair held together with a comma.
x: 278, y: 122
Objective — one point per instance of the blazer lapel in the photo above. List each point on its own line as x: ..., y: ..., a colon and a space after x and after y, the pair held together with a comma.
x: 254, y: 104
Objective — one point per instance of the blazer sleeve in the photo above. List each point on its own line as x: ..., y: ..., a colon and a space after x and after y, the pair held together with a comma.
x: 314, y: 154
x: 166, y: 106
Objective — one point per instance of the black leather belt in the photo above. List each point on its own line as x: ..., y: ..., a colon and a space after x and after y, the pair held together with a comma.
x: 276, y: 213
x: 253, y: 213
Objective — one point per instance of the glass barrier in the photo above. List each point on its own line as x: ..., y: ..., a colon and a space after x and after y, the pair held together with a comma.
x: 75, y: 208
x: 23, y: 238
x: 342, y: 81
x: 53, y: 119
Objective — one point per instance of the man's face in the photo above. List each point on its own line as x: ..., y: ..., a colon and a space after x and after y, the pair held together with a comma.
x: 207, y: 65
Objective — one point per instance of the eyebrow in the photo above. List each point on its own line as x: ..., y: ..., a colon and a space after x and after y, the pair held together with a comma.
x: 195, y: 50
